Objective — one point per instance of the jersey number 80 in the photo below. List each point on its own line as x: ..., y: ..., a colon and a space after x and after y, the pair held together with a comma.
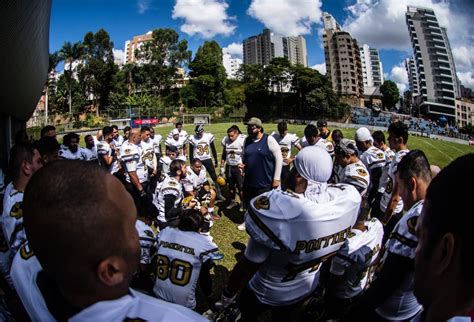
x: 178, y: 271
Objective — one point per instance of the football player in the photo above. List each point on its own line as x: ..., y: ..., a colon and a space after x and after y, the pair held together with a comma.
x: 48, y: 147
x: 72, y: 149
x: 169, y: 194
x: 353, y: 171
x: 233, y: 146
x: 324, y: 131
x: 89, y: 152
x: 149, y: 156
x: 182, y: 133
x: 184, y: 257
x: 80, y: 280
x: 291, y: 234
x: 390, y: 297
x: 373, y: 159
x: 311, y: 138
x: 391, y: 204
x: 200, y: 147
x: 156, y: 139
x: 197, y: 185
x: 165, y: 161
x: 179, y: 142
x: 286, y: 141
x: 105, y: 153
x: 136, y: 174
x: 24, y: 161
x: 118, y: 139
x: 350, y: 270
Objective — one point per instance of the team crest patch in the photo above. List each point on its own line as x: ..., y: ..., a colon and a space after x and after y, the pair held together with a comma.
x: 361, y: 172
x: 262, y: 203
x: 411, y: 223
x: 17, y: 211
x: 149, y: 233
x: 172, y: 183
x: 380, y: 155
x: 127, y: 151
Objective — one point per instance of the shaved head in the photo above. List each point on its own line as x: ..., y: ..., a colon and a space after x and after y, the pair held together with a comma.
x: 77, y: 215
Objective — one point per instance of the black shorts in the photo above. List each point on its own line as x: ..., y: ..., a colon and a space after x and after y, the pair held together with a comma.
x: 234, y: 177
x: 210, y: 168
x: 203, y: 196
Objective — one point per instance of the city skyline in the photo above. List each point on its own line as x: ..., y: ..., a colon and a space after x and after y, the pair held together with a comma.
x: 230, y: 22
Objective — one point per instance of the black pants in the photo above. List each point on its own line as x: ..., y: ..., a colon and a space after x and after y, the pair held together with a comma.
x: 285, y: 173
x: 134, y: 191
x: 235, y: 179
x: 251, y: 308
x: 249, y: 193
x: 210, y: 169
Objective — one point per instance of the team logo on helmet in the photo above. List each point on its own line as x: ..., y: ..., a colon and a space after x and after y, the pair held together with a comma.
x: 262, y: 203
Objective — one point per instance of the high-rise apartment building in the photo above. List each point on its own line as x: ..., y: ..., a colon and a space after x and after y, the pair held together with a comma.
x: 135, y: 43
x: 372, y: 71
x: 343, y: 63
x: 262, y: 48
x: 410, y: 67
x: 434, y: 64
x: 231, y: 64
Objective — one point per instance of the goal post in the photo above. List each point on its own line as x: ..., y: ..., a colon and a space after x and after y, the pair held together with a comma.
x: 196, y: 119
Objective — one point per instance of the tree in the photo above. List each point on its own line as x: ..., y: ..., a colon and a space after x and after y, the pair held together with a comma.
x: 70, y: 53
x: 208, y: 74
x: 162, y: 56
x: 98, y: 69
x: 390, y: 94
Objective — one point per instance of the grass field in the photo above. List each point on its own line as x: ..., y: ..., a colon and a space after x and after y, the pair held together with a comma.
x: 232, y: 241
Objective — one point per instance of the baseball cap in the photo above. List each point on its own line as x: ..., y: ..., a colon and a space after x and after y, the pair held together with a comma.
x: 174, y: 132
x: 322, y: 123
x: 346, y: 147
x: 363, y: 134
x: 255, y: 121
x: 199, y: 128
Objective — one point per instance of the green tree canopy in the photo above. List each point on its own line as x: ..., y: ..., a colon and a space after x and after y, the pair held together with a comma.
x: 390, y: 94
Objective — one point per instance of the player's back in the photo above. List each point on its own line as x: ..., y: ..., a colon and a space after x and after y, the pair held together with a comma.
x: 302, y: 234
x: 179, y: 257
x: 373, y: 158
x: 169, y: 186
x: 356, y: 174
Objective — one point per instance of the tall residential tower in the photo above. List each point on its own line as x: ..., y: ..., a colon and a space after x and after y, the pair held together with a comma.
x: 372, y: 71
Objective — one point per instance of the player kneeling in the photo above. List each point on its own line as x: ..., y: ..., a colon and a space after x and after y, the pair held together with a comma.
x: 184, y: 257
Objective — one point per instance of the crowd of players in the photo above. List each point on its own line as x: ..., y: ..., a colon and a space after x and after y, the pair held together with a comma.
x: 347, y: 229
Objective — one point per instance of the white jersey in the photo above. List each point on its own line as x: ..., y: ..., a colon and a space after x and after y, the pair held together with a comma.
x: 147, y: 242
x: 118, y: 142
x: 180, y: 256
x: 233, y: 149
x: 391, y: 181
x: 325, y: 144
x: 89, y: 154
x: 165, y: 164
x: 148, y: 153
x: 104, y: 149
x: 182, y: 134
x: 286, y: 143
x: 169, y: 186
x: 193, y: 181
x: 291, y: 236
x: 157, y: 138
x: 132, y: 158
x: 356, y: 174
x: 202, y: 146
x: 354, y: 259
x: 179, y: 146
x: 25, y: 269
x: 402, y: 304
x: 12, y: 234
x: 389, y: 155
x: 373, y: 158
x: 67, y: 154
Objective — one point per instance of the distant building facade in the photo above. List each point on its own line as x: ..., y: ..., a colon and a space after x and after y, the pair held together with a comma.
x: 231, y: 65
x: 464, y: 113
x: 372, y: 71
x: 132, y: 45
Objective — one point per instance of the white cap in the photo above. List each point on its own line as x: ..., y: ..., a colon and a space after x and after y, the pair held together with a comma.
x: 174, y: 132
x: 314, y: 164
x: 363, y: 134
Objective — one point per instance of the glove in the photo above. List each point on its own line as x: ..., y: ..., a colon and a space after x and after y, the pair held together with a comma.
x: 222, y: 171
x: 216, y: 164
x: 225, y: 300
x: 142, y: 193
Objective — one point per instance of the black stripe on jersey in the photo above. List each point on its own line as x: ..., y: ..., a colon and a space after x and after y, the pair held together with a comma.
x: 294, y: 269
x: 148, y: 239
x: 208, y: 252
x: 18, y: 228
x: 376, y: 162
x: 358, y: 179
x: 267, y: 231
x: 402, y: 239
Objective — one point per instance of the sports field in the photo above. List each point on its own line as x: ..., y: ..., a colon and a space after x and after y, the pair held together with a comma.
x: 232, y: 241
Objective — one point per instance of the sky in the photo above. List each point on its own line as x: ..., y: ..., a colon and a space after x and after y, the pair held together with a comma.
x: 378, y: 23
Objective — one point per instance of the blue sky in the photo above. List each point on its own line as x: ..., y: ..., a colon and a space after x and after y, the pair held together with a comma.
x: 380, y: 23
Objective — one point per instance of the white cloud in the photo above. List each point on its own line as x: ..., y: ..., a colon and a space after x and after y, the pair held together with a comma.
x: 287, y: 17
x: 400, y: 77
x: 467, y: 79
x: 206, y: 18
x: 320, y: 68
x: 119, y: 56
x: 234, y: 49
x: 143, y: 5
x: 463, y: 57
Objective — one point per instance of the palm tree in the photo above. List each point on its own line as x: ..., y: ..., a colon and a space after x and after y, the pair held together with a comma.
x: 70, y: 53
